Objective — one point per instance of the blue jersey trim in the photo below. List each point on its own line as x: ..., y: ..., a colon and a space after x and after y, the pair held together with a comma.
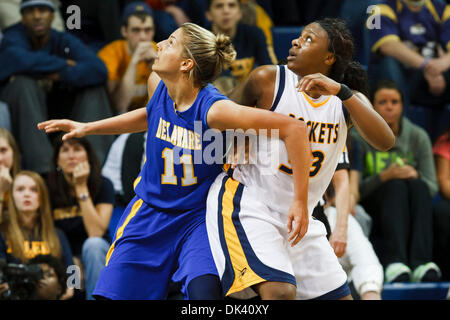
x: 335, y: 294
x: 265, y: 272
x: 280, y: 88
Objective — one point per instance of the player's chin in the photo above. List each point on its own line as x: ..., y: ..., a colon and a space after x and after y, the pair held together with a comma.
x: 291, y: 65
x: 156, y: 62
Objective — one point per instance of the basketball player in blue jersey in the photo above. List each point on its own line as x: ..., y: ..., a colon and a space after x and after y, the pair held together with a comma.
x: 246, y: 212
x: 162, y: 234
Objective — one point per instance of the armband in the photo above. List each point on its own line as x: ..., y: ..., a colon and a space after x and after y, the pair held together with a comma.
x: 345, y: 93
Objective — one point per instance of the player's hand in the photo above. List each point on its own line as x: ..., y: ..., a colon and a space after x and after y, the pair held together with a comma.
x: 318, y: 84
x: 74, y: 129
x: 5, y: 179
x: 298, y: 220
x: 338, y: 241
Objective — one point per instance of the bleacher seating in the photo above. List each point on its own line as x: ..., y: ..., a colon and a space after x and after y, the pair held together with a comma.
x: 282, y: 39
x: 432, y: 120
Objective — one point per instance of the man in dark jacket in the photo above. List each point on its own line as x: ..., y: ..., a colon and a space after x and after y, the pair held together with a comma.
x: 47, y: 74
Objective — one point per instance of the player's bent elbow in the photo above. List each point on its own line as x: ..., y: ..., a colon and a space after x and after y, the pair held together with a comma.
x: 298, y: 129
x: 387, y: 144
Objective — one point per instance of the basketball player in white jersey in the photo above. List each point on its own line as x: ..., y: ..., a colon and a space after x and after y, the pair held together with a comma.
x: 247, y: 213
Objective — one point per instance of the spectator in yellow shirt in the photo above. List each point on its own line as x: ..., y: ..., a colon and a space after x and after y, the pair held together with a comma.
x: 129, y: 60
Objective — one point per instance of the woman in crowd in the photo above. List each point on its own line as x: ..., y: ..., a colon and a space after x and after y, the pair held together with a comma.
x: 82, y: 204
x: 396, y: 190
x: 441, y: 211
x: 29, y: 229
x: 9, y: 166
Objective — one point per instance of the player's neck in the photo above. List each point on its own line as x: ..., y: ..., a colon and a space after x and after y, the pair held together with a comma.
x: 183, y: 94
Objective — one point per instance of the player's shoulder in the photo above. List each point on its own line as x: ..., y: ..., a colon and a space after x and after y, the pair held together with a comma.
x: 153, y: 82
x: 265, y: 73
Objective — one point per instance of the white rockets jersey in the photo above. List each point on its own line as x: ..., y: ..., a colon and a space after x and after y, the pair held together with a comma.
x: 269, y: 170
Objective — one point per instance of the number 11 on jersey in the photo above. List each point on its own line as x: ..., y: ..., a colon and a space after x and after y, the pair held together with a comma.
x: 169, y: 176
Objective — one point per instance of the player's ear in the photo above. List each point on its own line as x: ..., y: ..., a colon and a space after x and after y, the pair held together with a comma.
x: 330, y: 59
x: 187, y: 65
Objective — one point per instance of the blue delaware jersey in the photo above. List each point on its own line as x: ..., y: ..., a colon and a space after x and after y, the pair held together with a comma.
x: 175, y: 175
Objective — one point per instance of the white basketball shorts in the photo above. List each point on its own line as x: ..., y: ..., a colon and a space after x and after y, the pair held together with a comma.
x: 249, y: 246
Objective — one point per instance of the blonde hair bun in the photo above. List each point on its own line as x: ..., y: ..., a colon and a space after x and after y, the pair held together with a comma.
x: 225, y: 48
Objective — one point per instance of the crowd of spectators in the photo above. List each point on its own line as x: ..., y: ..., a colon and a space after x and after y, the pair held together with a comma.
x: 59, y: 199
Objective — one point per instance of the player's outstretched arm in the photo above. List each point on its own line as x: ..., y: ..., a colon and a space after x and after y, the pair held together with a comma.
x: 225, y: 114
x: 130, y: 122
x: 367, y: 121
x: 133, y: 121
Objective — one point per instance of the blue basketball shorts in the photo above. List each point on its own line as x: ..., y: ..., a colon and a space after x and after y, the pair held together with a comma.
x: 152, y: 247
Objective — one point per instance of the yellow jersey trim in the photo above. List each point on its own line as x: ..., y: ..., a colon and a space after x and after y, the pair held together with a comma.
x: 387, y: 11
x: 433, y: 11
x: 237, y: 253
x: 315, y: 104
x: 446, y: 14
x: 383, y: 40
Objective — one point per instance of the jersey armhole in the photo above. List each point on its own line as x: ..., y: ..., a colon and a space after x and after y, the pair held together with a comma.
x: 151, y: 102
x: 347, y: 117
x: 279, y: 86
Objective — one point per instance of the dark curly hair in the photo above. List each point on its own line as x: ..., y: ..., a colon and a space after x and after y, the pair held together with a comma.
x: 341, y: 44
x: 56, y: 265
